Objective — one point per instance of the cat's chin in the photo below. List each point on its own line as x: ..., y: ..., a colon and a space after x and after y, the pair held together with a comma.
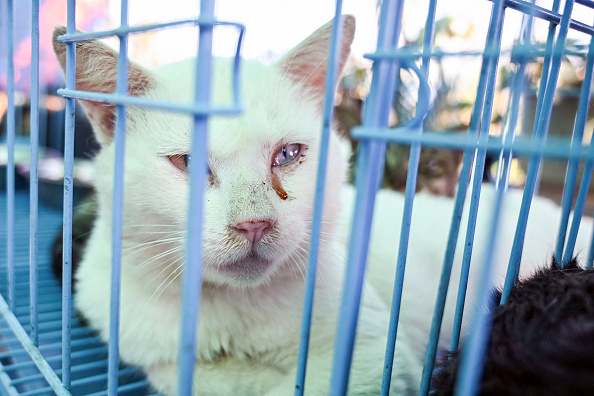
x: 251, y: 270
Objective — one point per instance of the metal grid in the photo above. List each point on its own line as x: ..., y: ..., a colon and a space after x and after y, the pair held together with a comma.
x: 373, y: 135
x: 475, y: 143
x: 200, y: 109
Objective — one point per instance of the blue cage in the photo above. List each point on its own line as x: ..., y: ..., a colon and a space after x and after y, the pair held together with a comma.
x: 46, y: 349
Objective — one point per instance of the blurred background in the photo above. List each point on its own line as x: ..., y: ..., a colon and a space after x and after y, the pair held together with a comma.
x: 274, y: 27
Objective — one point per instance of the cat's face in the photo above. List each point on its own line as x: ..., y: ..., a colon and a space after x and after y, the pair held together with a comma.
x: 263, y: 164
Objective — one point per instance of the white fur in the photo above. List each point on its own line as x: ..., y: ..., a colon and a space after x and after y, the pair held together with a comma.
x: 248, y: 331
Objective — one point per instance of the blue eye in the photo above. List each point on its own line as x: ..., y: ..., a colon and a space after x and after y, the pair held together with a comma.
x: 286, y: 154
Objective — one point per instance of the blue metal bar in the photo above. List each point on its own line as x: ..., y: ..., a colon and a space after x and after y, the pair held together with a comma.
x: 411, y: 182
x: 531, y: 51
x: 33, y: 174
x: 314, y: 244
x: 551, y: 16
x: 125, y: 388
x: 473, y: 356
x: 192, y: 281
x: 553, y: 147
x: 10, y: 148
x: 513, y: 111
x: 468, y: 158
x: 579, y: 207
x: 117, y: 99
x: 545, y: 69
x: 68, y: 196
x: 587, y: 3
x: 473, y: 367
x: 540, y: 99
x: 590, y: 261
x: 100, y: 364
x: 486, y: 92
x: 539, y: 135
x: 572, y: 166
x: 118, y: 203
x: 124, y: 99
x: 87, y: 36
x: 32, y: 350
x: 369, y: 163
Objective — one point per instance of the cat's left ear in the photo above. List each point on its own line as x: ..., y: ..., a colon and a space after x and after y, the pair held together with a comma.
x: 306, y: 64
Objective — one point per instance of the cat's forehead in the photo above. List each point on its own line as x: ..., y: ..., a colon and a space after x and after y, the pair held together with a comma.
x: 275, y: 110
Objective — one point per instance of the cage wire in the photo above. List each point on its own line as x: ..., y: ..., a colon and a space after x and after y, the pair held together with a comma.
x: 47, y: 349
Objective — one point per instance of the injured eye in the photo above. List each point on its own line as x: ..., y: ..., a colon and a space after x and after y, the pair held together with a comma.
x: 286, y: 154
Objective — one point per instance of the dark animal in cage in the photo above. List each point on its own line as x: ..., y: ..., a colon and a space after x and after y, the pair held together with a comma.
x: 542, y: 340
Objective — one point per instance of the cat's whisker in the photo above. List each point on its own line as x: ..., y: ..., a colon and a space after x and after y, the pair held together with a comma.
x: 295, y: 265
x: 150, y: 244
x: 79, y: 236
x: 166, y: 253
x: 83, y: 205
x: 158, y: 233
x: 134, y: 251
x: 177, y: 273
x: 303, y: 254
x: 159, y: 289
x: 166, y: 266
x: 323, y: 247
x: 152, y: 225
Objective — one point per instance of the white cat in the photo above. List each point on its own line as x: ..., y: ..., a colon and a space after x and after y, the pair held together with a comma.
x: 256, y: 232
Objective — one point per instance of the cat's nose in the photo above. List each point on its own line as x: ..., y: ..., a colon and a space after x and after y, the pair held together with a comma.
x: 253, y: 230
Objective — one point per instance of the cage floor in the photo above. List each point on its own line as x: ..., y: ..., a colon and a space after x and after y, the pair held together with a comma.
x: 18, y: 374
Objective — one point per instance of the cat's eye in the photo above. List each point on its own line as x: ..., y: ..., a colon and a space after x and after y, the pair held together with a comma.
x: 182, y: 162
x: 287, y: 154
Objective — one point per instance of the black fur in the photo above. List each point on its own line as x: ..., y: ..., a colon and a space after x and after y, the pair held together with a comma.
x: 82, y: 225
x: 542, y: 340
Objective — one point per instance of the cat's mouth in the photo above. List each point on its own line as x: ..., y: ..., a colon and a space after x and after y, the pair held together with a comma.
x: 249, y: 268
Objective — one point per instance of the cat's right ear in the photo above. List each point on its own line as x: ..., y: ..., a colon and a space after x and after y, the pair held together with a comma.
x: 96, y: 71
x: 306, y: 63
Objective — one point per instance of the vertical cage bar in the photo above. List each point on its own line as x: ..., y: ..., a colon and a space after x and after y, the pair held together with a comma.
x: 468, y: 158
x: 10, y: 132
x: 590, y: 260
x: 192, y: 278
x: 495, y: 45
x: 538, y: 137
x: 513, y: 109
x: 579, y: 205
x: 448, y: 260
x: 33, y: 174
x: 369, y: 169
x: 314, y: 244
x: 546, y: 67
x: 118, y: 203
x: 572, y: 166
x: 68, y: 195
x: 411, y: 182
x: 473, y: 356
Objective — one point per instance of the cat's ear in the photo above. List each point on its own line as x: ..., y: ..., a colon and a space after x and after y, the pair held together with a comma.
x: 96, y: 71
x: 306, y: 64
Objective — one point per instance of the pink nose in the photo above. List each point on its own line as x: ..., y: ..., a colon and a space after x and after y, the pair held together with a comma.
x: 253, y: 230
